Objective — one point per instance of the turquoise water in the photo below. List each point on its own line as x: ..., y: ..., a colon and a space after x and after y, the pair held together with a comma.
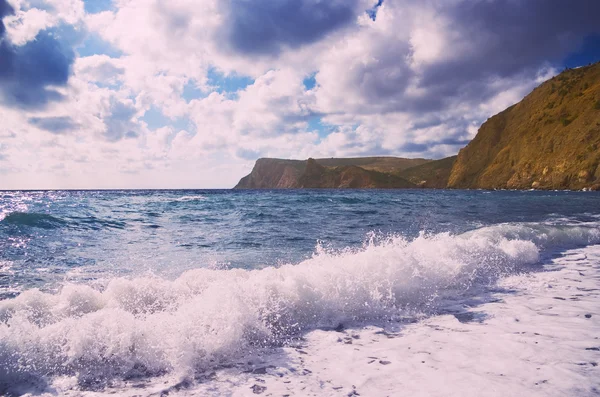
x: 104, y: 286
x: 49, y: 237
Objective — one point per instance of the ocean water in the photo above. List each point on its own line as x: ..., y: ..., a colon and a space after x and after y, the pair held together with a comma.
x: 102, y: 287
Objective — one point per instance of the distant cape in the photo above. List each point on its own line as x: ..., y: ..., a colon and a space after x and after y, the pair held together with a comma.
x: 337, y: 173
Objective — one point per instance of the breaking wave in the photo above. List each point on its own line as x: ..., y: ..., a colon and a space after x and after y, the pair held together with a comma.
x: 149, y: 326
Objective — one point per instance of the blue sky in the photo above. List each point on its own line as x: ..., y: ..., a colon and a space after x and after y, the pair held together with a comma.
x: 184, y: 94
x: 95, y: 6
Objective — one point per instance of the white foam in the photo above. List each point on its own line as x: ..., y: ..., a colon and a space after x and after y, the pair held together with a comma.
x: 197, y: 197
x: 205, y: 318
x: 538, y: 336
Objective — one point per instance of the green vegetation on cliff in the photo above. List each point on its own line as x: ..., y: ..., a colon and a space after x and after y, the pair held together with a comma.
x: 364, y: 172
x: 348, y: 176
x: 549, y: 140
x: 433, y: 175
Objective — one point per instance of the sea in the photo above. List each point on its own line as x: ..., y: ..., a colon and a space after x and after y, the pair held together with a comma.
x: 104, y: 291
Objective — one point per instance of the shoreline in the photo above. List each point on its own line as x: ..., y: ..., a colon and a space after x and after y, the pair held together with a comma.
x: 535, y: 334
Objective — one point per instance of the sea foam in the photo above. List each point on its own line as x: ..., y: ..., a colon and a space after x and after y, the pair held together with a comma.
x: 205, y: 318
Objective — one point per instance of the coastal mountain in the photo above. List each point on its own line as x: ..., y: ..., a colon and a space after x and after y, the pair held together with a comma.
x: 549, y: 140
x: 316, y: 175
x: 433, y: 174
x: 365, y: 172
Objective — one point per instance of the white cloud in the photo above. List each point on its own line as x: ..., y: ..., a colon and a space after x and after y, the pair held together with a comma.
x: 25, y: 25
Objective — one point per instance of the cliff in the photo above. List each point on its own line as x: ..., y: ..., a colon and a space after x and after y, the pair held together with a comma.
x: 549, y: 140
x: 273, y: 174
x: 432, y: 175
x: 366, y: 172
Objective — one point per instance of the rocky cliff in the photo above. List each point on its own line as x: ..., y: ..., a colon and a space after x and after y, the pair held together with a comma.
x: 366, y: 172
x: 273, y: 174
x: 549, y: 140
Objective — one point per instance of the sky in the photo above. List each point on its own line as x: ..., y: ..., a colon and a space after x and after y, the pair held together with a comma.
x: 189, y: 93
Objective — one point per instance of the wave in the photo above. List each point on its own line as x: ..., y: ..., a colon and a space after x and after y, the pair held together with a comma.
x: 47, y: 221
x: 32, y: 219
x: 148, y: 326
x: 94, y: 223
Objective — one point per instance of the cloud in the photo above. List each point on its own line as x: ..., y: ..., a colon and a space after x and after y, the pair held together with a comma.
x: 5, y: 9
x: 268, y: 27
x: 99, y: 69
x: 285, y: 78
x: 24, y: 26
x: 55, y: 125
x: 119, y: 123
x: 504, y: 39
x: 427, y: 57
x: 29, y: 71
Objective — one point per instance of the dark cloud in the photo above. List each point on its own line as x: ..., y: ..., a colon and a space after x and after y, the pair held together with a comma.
x: 495, y: 45
x: 5, y: 10
x: 27, y: 72
x: 412, y: 147
x: 390, y: 75
x: 430, y: 120
x: 119, y: 124
x: 435, y: 146
x: 509, y: 38
x: 56, y: 125
x: 267, y: 26
x: 453, y: 141
x: 589, y: 52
